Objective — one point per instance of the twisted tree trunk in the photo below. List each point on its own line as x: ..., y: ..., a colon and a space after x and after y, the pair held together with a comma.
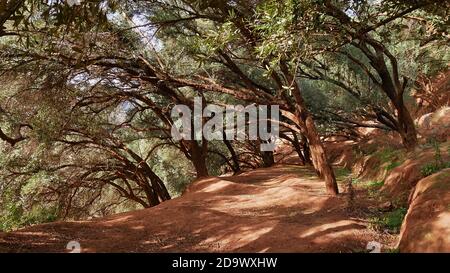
x: 308, y: 128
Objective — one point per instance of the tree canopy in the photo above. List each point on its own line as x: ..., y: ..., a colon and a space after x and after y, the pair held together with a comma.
x: 87, y: 89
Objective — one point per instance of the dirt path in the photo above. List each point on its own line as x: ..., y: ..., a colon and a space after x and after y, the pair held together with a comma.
x: 279, y: 209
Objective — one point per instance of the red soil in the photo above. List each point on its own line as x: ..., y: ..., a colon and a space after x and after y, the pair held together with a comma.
x: 279, y: 209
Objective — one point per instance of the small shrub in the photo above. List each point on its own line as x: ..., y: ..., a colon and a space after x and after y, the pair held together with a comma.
x: 375, y: 185
x: 38, y: 215
x: 373, y: 188
x: 429, y: 169
x: 392, y: 250
x: 387, y: 155
x: 438, y: 164
x: 342, y: 173
x: 391, y: 221
x: 356, y: 181
x: 14, y: 216
x: 392, y: 166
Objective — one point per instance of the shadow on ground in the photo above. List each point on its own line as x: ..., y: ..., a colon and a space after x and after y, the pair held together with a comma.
x: 279, y: 209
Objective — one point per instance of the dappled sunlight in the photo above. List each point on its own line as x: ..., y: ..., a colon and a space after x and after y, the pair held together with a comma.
x: 279, y: 211
x: 216, y: 214
x: 118, y: 220
x: 224, y: 126
x: 216, y: 186
x: 138, y: 227
x: 325, y: 228
x: 240, y: 236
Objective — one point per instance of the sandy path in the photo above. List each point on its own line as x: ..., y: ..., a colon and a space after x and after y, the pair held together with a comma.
x: 278, y: 209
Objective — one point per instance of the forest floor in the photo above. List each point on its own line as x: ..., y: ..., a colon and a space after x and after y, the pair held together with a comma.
x: 279, y: 209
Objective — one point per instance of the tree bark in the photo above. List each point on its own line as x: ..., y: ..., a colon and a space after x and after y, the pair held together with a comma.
x: 306, y: 151
x: 298, y: 148
x: 306, y: 123
x: 7, y: 9
x: 198, y: 158
x: 268, y: 159
x: 156, y: 191
x: 391, y: 86
x: 406, y: 126
x: 234, y: 156
x: 319, y: 159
